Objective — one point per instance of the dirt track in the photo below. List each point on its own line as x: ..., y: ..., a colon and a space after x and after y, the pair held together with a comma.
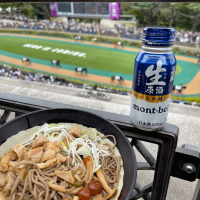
x: 192, y: 88
x: 59, y: 71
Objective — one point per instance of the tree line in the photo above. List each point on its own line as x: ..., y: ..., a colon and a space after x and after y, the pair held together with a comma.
x: 179, y: 15
x: 38, y: 10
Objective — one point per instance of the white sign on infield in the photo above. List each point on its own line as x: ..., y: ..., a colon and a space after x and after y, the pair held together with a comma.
x: 56, y: 50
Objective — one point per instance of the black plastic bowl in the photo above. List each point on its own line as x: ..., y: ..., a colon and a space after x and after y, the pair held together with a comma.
x: 87, y: 119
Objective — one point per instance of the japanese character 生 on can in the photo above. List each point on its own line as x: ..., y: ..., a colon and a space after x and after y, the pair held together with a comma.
x: 153, y: 78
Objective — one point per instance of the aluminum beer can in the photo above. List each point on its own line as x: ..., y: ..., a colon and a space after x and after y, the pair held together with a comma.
x: 153, y: 78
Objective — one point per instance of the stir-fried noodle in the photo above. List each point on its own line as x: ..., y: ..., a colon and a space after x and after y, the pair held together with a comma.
x: 57, y: 162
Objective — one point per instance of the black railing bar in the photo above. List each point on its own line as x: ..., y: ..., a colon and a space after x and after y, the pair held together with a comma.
x: 130, y: 132
x: 147, y: 196
x: 28, y: 104
x: 124, y: 124
x: 5, y: 116
x: 144, y: 166
x: 138, y: 187
x: 165, y: 138
x: 24, y: 108
x: 167, y: 143
x: 19, y: 107
x: 193, y: 148
x: 131, y: 136
x: 144, y: 151
x: 164, y: 165
x: 141, y: 191
x: 17, y: 114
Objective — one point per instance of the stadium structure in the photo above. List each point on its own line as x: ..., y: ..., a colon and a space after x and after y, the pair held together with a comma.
x: 77, y: 48
x: 101, y: 10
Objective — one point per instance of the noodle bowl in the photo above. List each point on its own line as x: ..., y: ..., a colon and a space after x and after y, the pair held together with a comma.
x: 60, y: 162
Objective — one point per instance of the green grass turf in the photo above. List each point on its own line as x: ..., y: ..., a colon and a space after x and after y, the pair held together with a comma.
x: 197, y: 99
x: 178, y: 69
x: 96, y: 58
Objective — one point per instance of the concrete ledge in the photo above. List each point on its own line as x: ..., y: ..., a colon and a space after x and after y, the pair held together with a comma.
x: 118, y: 103
x: 184, y: 110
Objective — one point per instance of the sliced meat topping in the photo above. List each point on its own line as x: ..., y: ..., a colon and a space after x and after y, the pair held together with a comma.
x: 35, y: 154
x: 39, y: 141
x: 2, y: 179
x: 48, y: 155
x: 10, y: 179
x: 75, y: 131
x: 20, y: 151
x: 60, y: 157
x: 48, y: 163
x: 55, y: 145
x: 6, y: 158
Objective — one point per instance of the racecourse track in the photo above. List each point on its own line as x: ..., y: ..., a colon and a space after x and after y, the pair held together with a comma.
x: 188, y: 72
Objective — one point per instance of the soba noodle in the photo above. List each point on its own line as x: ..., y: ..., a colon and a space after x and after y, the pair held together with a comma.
x: 111, y: 164
x: 31, y: 180
x: 35, y: 186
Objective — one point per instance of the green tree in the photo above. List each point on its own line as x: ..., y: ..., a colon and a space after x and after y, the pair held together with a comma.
x: 10, y: 8
x: 42, y: 10
x: 168, y: 13
x: 18, y: 8
x: 180, y: 15
x: 27, y: 10
x: 193, y: 12
x: 149, y: 10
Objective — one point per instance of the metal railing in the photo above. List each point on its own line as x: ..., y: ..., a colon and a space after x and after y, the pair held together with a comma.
x: 183, y: 163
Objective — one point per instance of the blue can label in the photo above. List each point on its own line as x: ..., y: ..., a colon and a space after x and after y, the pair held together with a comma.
x: 152, y: 85
x: 153, y: 36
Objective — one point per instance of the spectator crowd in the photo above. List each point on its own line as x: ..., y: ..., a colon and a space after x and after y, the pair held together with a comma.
x: 75, y: 26
x: 95, y: 28
x: 17, y: 73
x: 24, y: 22
x: 188, y: 37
